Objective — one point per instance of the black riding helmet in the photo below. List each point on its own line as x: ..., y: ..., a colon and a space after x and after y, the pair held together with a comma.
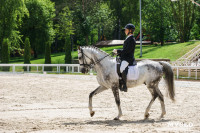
x: 129, y: 26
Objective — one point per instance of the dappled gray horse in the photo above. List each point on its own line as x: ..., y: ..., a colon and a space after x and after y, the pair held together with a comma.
x: 150, y: 74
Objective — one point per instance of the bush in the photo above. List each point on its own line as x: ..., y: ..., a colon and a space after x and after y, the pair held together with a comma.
x: 27, y: 53
x: 68, y: 56
x: 48, y: 56
x: 5, y: 54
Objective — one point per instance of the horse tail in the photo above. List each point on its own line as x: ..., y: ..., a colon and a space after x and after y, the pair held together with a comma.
x: 169, y: 79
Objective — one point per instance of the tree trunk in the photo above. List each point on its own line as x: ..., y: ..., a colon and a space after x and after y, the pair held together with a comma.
x: 99, y: 34
x: 35, y: 53
x: 119, y: 30
x: 87, y: 40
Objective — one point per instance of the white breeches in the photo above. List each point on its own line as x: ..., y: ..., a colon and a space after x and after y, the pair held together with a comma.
x: 124, y: 64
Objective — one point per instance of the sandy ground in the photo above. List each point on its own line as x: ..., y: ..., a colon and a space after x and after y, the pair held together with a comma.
x: 59, y: 103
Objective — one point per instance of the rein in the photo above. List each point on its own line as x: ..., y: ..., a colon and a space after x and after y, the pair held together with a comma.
x: 94, y: 63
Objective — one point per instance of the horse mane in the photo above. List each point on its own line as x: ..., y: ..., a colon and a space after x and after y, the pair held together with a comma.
x: 97, y: 49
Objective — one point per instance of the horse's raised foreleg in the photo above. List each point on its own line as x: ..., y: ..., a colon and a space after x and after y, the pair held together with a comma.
x: 117, y: 100
x: 96, y: 91
x: 154, y: 96
x: 161, y: 99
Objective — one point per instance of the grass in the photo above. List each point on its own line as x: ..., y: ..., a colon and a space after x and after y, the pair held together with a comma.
x: 168, y: 51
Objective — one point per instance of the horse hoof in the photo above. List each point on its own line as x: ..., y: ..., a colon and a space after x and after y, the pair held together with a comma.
x: 116, y: 119
x: 146, y: 116
x: 161, y: 117
x: 92, y: 113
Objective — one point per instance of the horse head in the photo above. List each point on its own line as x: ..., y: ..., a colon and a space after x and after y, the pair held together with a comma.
x: 85, y: 59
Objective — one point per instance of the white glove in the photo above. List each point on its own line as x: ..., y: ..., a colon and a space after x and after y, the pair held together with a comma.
x: 114, y: 51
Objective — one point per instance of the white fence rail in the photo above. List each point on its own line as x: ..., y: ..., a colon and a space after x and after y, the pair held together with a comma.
x: 68, y: 67
x: 75, y: 68
x: 188, y: 69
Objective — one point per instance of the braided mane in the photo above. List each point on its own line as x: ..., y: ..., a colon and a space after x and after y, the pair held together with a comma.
x: 98, y: 49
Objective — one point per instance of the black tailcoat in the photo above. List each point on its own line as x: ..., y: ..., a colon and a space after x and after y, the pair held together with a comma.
x: 127, y: 53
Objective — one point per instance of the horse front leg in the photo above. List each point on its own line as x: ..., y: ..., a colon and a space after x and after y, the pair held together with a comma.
x: 117, y: 100
x: 96, y: 91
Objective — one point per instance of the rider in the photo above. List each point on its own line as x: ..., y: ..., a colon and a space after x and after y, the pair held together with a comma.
x: 126, y: 54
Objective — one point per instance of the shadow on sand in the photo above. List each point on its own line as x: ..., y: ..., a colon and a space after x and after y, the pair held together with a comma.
x: 116, y: 122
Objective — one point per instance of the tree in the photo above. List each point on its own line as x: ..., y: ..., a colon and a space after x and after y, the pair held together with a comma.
x: 64, y: 30
x: 184, y: 17
x: 103, y: 21
x: 48, y: 56
x: 125, y: 11
x: 27, y: 53
x: 156, y: 19
x: 12, y: 12
x: 38, y: 26
x: 5, y: 53
x: 68, y: 56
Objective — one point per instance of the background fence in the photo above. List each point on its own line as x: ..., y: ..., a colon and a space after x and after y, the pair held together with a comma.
x: 192, y: 72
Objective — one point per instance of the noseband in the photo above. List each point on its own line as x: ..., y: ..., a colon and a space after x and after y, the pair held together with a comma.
x: 85, y: 64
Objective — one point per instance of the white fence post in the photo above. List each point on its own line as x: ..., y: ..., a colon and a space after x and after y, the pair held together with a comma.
x: 13, y: 68
x: 196, y: 74
x: 78, y: 69
x: 72, y: 69
x: 177, y: 74
x: 189, y: 72
x: 37, y: 68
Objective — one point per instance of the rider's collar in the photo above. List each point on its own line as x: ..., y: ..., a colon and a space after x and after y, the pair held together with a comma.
x: 128, y: 36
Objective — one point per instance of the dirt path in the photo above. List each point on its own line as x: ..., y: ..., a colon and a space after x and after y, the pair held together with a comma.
x: 59, y: 103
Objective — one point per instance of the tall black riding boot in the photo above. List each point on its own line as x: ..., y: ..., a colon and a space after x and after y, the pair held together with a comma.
x: 124, y: 78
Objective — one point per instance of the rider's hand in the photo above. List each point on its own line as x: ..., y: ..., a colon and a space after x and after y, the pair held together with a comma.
x: 114, y: 51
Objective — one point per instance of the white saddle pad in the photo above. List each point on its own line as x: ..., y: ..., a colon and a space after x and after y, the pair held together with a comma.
x: 133, y: 73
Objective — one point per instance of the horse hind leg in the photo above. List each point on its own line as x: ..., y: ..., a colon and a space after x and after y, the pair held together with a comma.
x: 161, y: 99
x: 95, y: 92
x: 154, y: 96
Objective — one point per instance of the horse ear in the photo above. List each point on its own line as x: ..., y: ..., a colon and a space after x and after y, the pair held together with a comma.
x: 79, y: 48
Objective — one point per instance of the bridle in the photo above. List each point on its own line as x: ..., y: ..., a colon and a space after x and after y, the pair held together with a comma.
x: 85, y: 64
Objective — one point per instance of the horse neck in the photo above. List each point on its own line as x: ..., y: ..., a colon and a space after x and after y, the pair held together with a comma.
x: 104, y: 64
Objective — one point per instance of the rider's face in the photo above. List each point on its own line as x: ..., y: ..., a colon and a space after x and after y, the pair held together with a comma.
x: 126, y: 31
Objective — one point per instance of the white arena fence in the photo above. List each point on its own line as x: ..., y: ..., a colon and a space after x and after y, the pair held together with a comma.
x: 56, y: 68
x: 179, y: 71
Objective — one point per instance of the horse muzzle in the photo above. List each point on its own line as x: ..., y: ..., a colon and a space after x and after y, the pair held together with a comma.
x: 84, y: 70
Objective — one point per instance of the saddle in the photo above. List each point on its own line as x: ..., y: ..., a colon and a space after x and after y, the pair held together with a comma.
x: 118, y: 60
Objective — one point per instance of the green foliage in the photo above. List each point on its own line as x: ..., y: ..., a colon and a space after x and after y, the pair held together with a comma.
x: 27, y: 51
x: 195, y: 32
x: 5, y: 53
x: 68, y: 56
x: 70, y: 22
x: 156, y: 20
x: 103, y: 21
x: 12, y: 12
x: 64, y: 27
x: 48, y: 56
x: 168, y: 51
x: 64, y: 30
x: 184, y: 12
x: 38, y: 26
